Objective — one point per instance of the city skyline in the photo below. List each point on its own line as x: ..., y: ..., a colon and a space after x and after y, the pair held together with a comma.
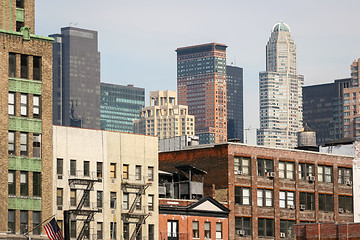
x: 324, y: 34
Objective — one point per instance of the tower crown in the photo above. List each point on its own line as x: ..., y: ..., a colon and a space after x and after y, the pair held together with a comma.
x: 281, y: 27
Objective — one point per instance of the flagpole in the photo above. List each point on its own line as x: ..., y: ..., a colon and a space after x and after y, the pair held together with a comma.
x: 40, y: 224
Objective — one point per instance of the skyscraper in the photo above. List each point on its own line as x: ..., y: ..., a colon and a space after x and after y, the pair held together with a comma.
x: 235, y: 103
x: 120, y: 106
x: 76, y: 78
x: 280, y: 92
x: 201, y: 82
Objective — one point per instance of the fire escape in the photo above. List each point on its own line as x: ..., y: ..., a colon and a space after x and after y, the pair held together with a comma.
x: 135, y: 214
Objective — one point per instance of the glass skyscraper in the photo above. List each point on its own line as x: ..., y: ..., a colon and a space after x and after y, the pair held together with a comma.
x: 280, y: 92
x: 120, y: 106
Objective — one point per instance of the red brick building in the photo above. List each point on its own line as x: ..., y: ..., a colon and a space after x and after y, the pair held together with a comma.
x: 268, y: 190
x: 192, y: 219
x: 327, y: 231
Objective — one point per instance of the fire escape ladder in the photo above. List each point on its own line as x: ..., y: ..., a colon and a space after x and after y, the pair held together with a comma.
x: 85, y: 195
x: 137, y: 197
x: 86, y: 225
x: 138, y: 226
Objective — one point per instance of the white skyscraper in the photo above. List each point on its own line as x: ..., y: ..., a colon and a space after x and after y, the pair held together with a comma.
x: 280, y: 92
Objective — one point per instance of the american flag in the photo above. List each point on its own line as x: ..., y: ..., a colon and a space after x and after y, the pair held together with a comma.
x: 53, y: 231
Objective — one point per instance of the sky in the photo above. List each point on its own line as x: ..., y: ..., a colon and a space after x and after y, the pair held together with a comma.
x: 138, y: 38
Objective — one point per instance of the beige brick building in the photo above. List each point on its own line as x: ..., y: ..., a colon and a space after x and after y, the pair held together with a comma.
x: 26, y: 122
x: 164, y: 118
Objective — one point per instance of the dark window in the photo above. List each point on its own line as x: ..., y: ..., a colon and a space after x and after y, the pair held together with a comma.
x: 11, y: 182
x: 265, y: 227
x: 24, y: 105
x: 99, y: 198
x: 59, y: 166
x: 138, y: 172
x: 20, y: 3
x: 24, y: 184
x: 112, y: 199
x: 345, y: 175
x: 37, y: 68
x: 126, y: 232
x: 195, y: 229
x: 11, y: 143
x: 73, y: 229
x: 11, y: 103
x: 86, y: 198
x: 264, y: 198
x: 19, y: 25
x: 286, y: 170
x: 345, y: 203
x: 24, y: 70
x: 242, y: 196
x: 37, y: 184
x: 326, y: 202
x: 325, y: 174
x: 73, y: 167
x: 86, y: 168
x: 36, y: 223
x: 23, y: 144
x: 36, y: 106
x: 99, y: 230
x: 12, y: 65
x: 113, y: 230
x: 307, y: 200
x: 23, y: 221
x: 151, y: 231
x: 243, y: 224
x: 59, y: 197
x: 99, y: 167
x: 287, y: 228
x: 286, y: 199
x: 265, y: 166
x: 36, y: 145
x: 11, y: 221
x: 305, y: 170
x: 242, y: 165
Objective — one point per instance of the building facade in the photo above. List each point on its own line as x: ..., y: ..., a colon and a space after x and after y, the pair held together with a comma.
x: 26, y: 122
x: 201, y: 85
x: 331, y: 231
x: 235, y: 103
x: 280, y: 92
x: 119, y: 172
x: 164, y: 118
x: 76, y: 78
x: 120, y: 106
x: 268, y: 190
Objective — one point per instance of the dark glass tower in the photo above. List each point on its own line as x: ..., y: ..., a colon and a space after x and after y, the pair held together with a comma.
x: 76, y: 78
x: 120, y: 106
x: 235, y: 104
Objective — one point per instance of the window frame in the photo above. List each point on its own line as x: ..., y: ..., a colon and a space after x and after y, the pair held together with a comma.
x: 24, y: 104
x: 263, y: 166
x: 72, y: 167
x: 59, y: 197
x: 113, y: 200
x: 24, y: 221
x: 12, y: 65
x: 207, y: 232
x: 86, y: 168
x: 305, y: 170
x: 287, y: 200
x: 309, y: 198
x: 12, y: 185
x: 36, y: 228
x: 73, y: 200
x: 150, y: 173
x: 99, y: 169
x: 11, y: 142
x: 266, y: 224
x: 240, y: 224
x: 240, y: 197
x: 37, y: 184
x: 287, y: 227
x: 125, y: 201
x: 240, y: 166
x: 195, y: 229
x: 99, y: 199
x: 24, y: 66
x: 12, y: 103
x: 326, y: 202
x: 138, y: 174
x: 24, y: 186
x: 112, y: 170
x: 36, y: 106
x: 36, y: 145
x: 323, y: 176
x: 219, y: 230
x: 342, y: 179
x: 264, y: 198
x: 346, y: 203
x: 24, y: 142
x: 284, y: 173
x: 151, y: 202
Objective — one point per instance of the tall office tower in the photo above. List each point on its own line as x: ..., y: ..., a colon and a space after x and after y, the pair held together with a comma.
x: 201, y: 82
x: 323, y: 109
x: 76, y: 78
x: 120, y: 106
x: 280, y: 92
x: 235, y: 103
x: 164, y: 118
x: 26, y: 123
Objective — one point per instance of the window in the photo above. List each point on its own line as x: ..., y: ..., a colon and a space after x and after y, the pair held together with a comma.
x: 326, y: 202
x: 218, y: 230
x: 195, y: 229
x: 99, y: 167
x: 138, y: 229
x: 113, y: 170
x: 11, y: 221
x: 23, y: 222
x: 11, y: 103
x: 305, y: 170
x: 286, y: 170
x: 24, y: 71
x: 99, y: 199
x: 11, y: 183
x: 264, y: 198
x: 346, y: 203
x: 99, y: 230
x: 59, y: 166
x: 151, y: 231
x: 243, y: 223
x: 113, y: 230
x: 126, y: 232
x: 24, y: 186
x: 345, y: 175
x: 138, y: 172
x: 242, y: 195
x: 307, y: 200
x: 151, y: 202
x: 36, y: 68
x: 150, y: 173
x: 12, y: 65
x: 325, y: 174
x: 112, y: 199
x: 138, y: 203
x: 86, y: 168
x: 37, y: 184
x: 286, y: 199
x: 36, y: 222
x: 59, y: 197
x: 73, y: 197
x: 242, y: 164
x: 264, y: 166
x: 24, y: 105
x: 265, y: 227
x: 20, y: 3
x: 73, y: 167
x: 287, y: 227
x: 11, y: 143
x: 207, y: 230
x: 36, y: 145
x: 125, y: 171
x: 36, y: 106
x: 86, y: 198
x: 172, y: 229
x: 23, y: 144
x: 126, y: 201
x: 19, y: 25
x: 73, y: 229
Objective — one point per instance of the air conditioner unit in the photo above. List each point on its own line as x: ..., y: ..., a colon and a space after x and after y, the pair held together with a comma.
x: 240, y: 232
x: 302, y: 207
x: 238, y: 172
x: 270, y: 174
x: 282, y: 235
x: 311, y: 178
x: 60, y: 176
x: 349, y: 183
x: 341, y: 210
x: 291, y: 206
x: 60, y: 208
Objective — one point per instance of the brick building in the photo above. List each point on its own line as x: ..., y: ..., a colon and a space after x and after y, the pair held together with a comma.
x: 268, y: 190
x: 329, y: 231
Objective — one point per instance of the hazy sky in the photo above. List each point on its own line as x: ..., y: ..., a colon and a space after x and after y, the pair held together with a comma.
x: 137, y: 39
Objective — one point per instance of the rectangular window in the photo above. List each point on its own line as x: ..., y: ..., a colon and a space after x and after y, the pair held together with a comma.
x: 24, y: 184
x: 126, y: 232
x: 36, y: 222
x: 138, y: 172
x: 59, y: 197
x: 243, y: 224
x: 138, y: 203
x: 19, y: 25
x: 11, y: 183
x: 286, y: 170
x: 73, y: 197
x: 326, y: 202
x: 151, y: 231
x: 37, y: 184
x: 305, y: 170
x: 59, y: 166
x: 99, y: 199
x: 36, y: 106
x: 112, y: 170
x: 36, y: 68
x: 73, y: 229
x: 23, y: 144
x: 73, y: 167
x: 24, y: 70
x: 242, y: 195
x: 287, y: 228
x: 12, y: 65
x: 345, y: 204
x: 36, y: 145
x: 264, y: 198
x: 265, y: 227
x: 86, y: 198
x: 242, y: 165
x: 112, y: 199
x: 11, y: 221
x: 287, y: 199
x: 125, y: 201
x: 150, y: 173
x: 11, y: 103
x: 345, y: 175
x: 11, y: 143
x: 20, y: 3
x: 24, y: 105
x: 86, y: 168
x: 325, y: 174
x: 207, y: 230
x: 151, y: 202
x: 265, y: 166
x: 218, y: 230
x: 195, y: 229
x: 125, y: 171
x: 99, y: 230
x: 23, y: 222
x: 307, y: 200
x: 138, y: 229
x: 113, y: 230
x: 99, y: 169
